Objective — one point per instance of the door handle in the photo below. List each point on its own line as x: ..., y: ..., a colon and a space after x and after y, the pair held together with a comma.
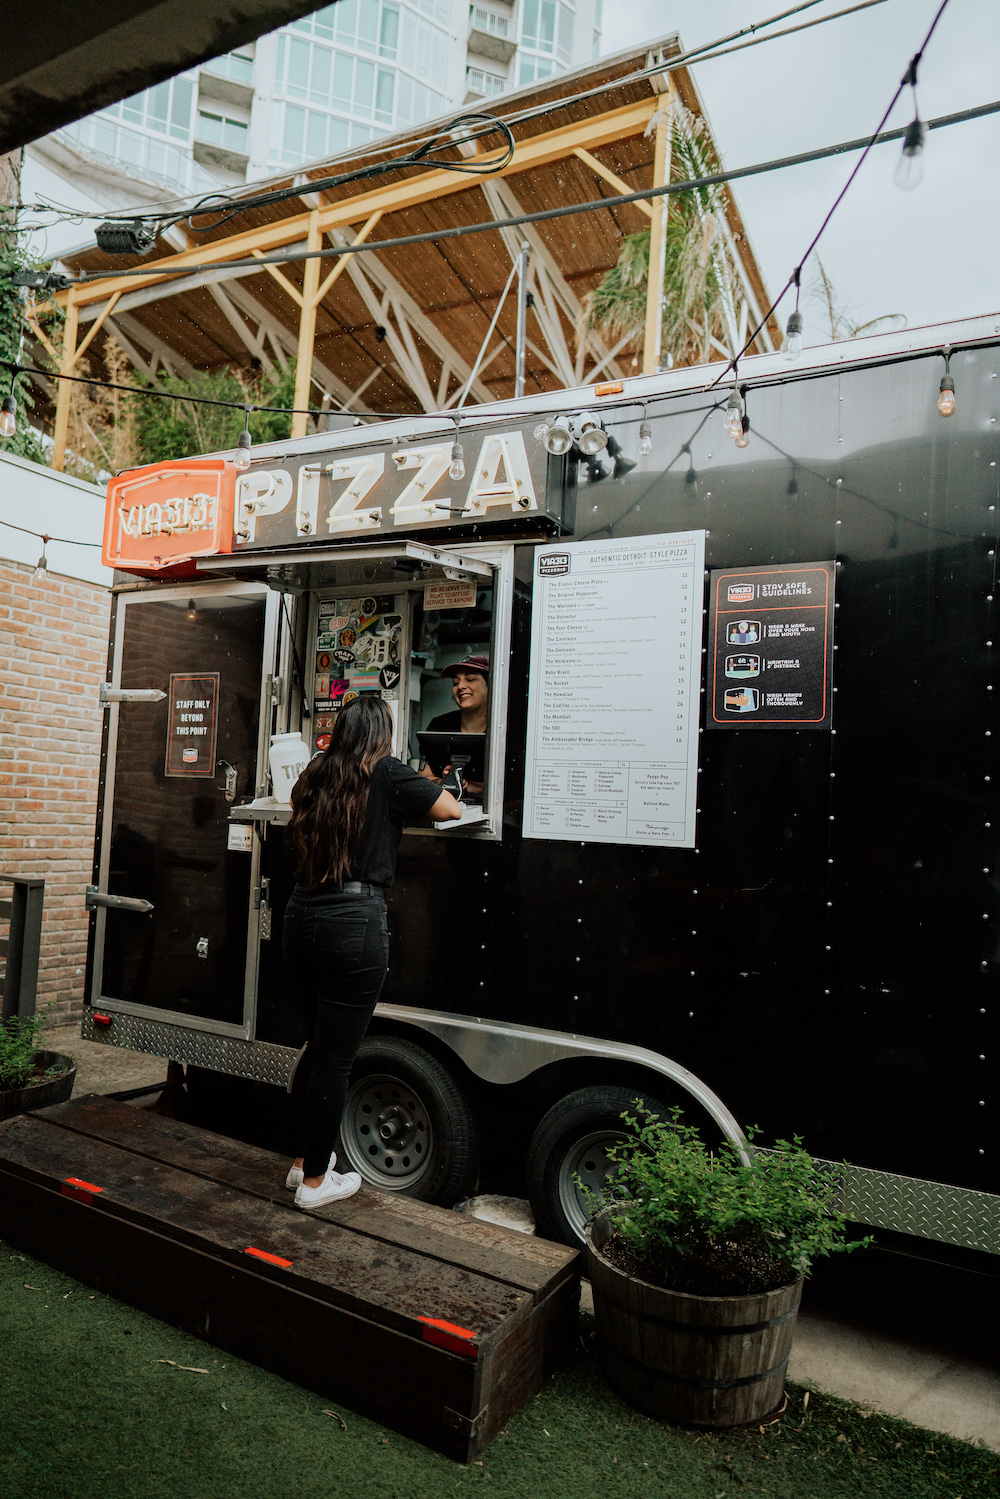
x: 96, y: 897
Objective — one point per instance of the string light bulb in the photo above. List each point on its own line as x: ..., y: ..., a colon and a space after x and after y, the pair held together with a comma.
x: 241, y: 458
x: 734, y: 414
x: 42, y: 565
x: 8, y: 417
x: 457, y: 467
x: 791, y: 348
x: 909, y: 171
x: 192, y: 610
x: 946, y: 390
x: 743, y: 441
x: 645, y: 436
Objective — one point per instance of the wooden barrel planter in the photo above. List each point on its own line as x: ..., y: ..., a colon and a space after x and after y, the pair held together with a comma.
x: 40, y: 1095
x: 712, y: 1361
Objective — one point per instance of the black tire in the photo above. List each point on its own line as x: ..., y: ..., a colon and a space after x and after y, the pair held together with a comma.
x: 572, y: 1138
x: 408, y: 1126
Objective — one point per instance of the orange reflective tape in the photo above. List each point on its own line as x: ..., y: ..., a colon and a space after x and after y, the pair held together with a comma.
x: 264, y: 1254
x: 75, y: 1181
x: 448, y: 1335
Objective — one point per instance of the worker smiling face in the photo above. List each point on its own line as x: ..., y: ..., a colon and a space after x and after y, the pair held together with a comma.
x: 469, y: 690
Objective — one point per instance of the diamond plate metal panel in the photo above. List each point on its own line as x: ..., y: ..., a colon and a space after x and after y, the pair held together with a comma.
x: 908, y: 1205
x: 259, y: 1061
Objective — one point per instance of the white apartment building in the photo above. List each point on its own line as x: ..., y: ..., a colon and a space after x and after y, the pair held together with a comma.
x: 314, y: 88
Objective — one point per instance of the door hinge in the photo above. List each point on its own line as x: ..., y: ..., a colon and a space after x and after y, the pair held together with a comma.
x: 111, y: 694
x: 96, y: 897
x: 261, y: 901
x: 274, y: 688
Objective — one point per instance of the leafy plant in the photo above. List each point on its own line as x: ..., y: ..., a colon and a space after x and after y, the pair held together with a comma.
x: 18, y: 1047
x: 702, y: 1221
x: 700, y: 279
x: 25, y: 441
x: 842, y: 324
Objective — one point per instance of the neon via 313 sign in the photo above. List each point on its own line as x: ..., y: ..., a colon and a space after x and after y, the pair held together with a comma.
x: 159, y: 519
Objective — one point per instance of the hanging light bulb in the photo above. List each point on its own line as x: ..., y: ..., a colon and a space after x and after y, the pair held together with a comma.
x: 791, y: 349
x: 743, y: 441
x: 909, y: 171
x: 8, y: 417
x: 42, y: 565
x: 457, y: 468
x: 946, y: 396
x: 192, y: 610
x: 241, y: 457
x: 734, y: 414
x: 645, y: 436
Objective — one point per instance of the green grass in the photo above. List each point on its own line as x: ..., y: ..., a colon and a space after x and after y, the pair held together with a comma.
x: 89, y: 1411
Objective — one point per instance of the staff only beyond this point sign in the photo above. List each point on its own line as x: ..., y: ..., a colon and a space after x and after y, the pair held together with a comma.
x: 771, y: 647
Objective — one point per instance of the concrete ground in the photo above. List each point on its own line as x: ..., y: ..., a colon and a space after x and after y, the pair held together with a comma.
x: 886, y: 1331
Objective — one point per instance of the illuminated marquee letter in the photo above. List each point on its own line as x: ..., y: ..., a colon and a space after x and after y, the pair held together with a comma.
x: 364, y: 473
x: 501, y: 476
x: 415, y: 504
x: 260, y: 493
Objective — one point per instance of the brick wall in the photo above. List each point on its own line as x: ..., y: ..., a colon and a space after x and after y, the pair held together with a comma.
x: 53, y: 652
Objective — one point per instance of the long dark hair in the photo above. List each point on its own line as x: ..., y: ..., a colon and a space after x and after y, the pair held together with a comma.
x: 330, y: 797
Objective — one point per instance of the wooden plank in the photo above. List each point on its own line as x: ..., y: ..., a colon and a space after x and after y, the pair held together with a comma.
x: 405, y: 1383
x: 521, y: 1260
x: 388, y: 1284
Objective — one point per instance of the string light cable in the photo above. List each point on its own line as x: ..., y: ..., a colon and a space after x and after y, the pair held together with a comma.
x: 708, y: 51
x: 40, y: 536
x: 284, y: 257
x: 908, y: 80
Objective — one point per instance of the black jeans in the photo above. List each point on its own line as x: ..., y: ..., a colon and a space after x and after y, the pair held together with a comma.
x: 336, y: 949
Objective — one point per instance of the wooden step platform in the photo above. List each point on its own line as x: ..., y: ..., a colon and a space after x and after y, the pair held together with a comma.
x: 435, y: 1324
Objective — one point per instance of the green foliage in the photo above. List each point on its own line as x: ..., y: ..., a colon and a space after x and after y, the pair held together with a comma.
x: 18, y: 1046
x: 178, y: 429
x: 701, y: 1221
x: 25, y: 442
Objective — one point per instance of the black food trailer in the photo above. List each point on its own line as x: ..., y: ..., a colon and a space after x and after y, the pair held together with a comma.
x: 734, y: 848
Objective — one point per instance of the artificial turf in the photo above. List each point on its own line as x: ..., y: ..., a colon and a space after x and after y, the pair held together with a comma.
x: 89, y: 1409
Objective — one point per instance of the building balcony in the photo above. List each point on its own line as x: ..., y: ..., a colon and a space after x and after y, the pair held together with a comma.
x: 491, y: 35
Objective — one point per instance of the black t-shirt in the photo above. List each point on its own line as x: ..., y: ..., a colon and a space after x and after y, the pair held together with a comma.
x: 398, y: 796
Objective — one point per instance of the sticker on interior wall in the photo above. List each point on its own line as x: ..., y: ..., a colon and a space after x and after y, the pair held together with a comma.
x: 392, y: 620
x: 323, y: 661
x: 389, y: 676
x: 339, y: 686
x: 343, y: 655
x: 239, y: 838
x: 347, y: 638
x: 322, y: 741
x: 349, y: 698
x: 324, y: 721
x: 369, y: 606
x: 322, y: 688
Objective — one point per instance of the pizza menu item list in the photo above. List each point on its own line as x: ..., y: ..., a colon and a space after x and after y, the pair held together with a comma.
x: 614, y: 691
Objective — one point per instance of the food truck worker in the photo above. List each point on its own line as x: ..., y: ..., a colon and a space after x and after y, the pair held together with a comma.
x: 349, y: 806
x: 470, y: 689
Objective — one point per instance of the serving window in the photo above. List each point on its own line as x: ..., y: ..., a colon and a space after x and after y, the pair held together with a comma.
x: 397, y: 633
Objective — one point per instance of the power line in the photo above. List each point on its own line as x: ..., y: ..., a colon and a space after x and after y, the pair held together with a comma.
x: 284, y: 257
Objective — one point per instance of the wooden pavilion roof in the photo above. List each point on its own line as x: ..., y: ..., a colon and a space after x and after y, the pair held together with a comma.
x: 399, y: 329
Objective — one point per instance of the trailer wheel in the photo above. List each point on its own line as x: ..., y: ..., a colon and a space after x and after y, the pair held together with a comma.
x: 408, y: 1126
x: 573, y: 1140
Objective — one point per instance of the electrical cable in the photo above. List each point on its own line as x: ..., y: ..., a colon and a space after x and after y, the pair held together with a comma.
x: 285, y: 257
x: 40, y: 536
x: 704, y: 53
x: 908, y: 79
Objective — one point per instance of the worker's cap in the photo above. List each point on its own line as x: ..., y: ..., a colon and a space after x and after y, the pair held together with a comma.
x: 481, y: 664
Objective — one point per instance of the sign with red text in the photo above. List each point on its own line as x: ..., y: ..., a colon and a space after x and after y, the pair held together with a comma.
x: 192, y: 724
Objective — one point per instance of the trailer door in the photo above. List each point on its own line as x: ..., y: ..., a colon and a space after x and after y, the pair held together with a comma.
x: 173, y: 769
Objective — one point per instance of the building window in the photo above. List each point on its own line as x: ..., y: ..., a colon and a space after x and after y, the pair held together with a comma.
x: 547, y: 26
x: 235, y: 65
x: 165, y: 108
x: 533, y: 68
x: 479, y: 82
x: 367, y: 25
x: 220, y: 130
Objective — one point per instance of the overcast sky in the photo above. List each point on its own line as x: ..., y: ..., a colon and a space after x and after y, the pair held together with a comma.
x: 931, y: 253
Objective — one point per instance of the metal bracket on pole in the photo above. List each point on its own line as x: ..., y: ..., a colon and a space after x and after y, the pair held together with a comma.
x: 522, y: 319
x: 111, y: 694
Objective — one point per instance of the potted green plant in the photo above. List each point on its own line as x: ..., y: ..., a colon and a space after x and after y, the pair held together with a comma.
x: 697, y: 1269
x: 31, y: 1078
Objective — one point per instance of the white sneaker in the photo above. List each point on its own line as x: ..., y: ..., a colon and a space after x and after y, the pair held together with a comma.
x: 332, y: 1188
x: 295, y: 1174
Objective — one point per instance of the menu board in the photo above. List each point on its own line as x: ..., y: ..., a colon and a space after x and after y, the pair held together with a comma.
x: 613, y: 691
x: 770, y: 633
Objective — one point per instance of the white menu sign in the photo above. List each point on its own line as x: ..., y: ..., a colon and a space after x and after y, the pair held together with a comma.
x: 613, y: 696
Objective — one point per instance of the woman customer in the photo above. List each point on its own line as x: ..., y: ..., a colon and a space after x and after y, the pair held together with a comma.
x: 348, y: 810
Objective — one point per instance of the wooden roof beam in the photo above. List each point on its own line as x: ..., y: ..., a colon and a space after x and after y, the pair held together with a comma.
x: 529, y: 154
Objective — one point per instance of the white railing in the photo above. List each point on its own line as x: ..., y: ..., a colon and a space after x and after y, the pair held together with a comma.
x: 127, y: 148
x: 486, y: 20
x: 479, y: 82
x: 233, y: 65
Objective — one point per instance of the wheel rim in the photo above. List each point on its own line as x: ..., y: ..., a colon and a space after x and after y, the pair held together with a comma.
x: 587, y: 1158
x: 386, y: 1132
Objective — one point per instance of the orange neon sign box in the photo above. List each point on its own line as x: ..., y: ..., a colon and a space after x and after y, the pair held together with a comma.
x: 159, y: 519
